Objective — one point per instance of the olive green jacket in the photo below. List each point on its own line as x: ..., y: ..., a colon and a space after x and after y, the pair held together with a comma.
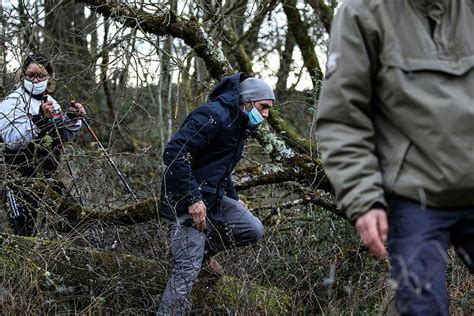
x: 396, y: 113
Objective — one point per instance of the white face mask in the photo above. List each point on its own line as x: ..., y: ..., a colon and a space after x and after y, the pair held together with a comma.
x: 35, y: 88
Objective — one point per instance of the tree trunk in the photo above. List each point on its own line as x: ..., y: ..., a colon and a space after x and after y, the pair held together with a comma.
x: 324, y: 12
x: 2, y: 52
x: 167, y: 84
x: 286, y: 58
x: 65, y: 23
x: 159, y: 98
x: 104, y: 79
x: 299, y: 29
x: 185, y: 89
x: 26, y: 29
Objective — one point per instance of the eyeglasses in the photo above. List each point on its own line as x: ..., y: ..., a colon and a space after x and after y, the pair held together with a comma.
x: 39, y: 76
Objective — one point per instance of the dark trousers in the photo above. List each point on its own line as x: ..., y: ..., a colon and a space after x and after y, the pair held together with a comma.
x: 418, y: 240
x: 31, y: 162
x: 27, y: 202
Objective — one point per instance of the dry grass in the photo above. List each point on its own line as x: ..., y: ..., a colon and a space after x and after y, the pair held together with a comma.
x: 310, y: 254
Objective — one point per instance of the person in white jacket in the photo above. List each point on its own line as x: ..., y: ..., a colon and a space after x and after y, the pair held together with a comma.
x: 33, y: 130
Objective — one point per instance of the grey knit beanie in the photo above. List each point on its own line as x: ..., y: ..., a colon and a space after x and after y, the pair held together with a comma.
x: 253, y: 89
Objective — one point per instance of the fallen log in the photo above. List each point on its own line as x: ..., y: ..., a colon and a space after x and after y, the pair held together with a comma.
x: 119, y: 281
x: 303, y: 170
x: 298, y: 168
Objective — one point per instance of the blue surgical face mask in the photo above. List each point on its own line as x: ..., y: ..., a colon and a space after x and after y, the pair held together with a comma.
x: 255, y: 118
x: 35, y: 88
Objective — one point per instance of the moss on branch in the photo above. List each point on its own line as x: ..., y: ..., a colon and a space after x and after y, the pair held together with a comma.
x: 119, y: 279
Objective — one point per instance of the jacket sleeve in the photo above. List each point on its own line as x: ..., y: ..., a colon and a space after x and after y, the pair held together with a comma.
x: 193, y: 137
x: 16, y: 128
x: 230, y: 189
x: 345, y: 130
x: 68, y: 128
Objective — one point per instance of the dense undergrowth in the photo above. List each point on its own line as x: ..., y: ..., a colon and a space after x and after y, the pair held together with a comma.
x: 312, y: 257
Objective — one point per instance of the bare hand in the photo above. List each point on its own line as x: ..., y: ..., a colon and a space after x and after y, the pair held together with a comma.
x: 77, y: 109
x: 47, y: 109
x: 373, y: 228
x: 197, y: 212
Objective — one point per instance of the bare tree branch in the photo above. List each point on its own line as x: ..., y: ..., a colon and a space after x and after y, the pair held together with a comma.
x: 257, y: 21
x: 167, y: 23
x: 324, y: 12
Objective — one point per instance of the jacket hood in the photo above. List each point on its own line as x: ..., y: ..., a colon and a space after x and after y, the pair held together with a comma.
x: 227, y: 91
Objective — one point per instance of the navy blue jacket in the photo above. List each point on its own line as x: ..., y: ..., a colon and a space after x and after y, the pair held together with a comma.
x: 200, y: 157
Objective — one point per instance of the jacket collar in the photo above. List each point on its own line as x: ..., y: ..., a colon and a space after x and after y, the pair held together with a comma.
x: 35, y: 96
x: 431, y: 8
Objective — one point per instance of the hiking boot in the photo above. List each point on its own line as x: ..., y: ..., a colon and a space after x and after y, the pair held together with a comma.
x: 212, y: 269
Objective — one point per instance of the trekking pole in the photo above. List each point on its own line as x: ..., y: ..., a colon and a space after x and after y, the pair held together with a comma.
x: 15, y: 211
x: 112, y: 163
x: 57, y: 114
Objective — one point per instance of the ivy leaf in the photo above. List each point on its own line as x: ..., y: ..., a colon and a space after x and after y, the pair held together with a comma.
x: 47, y: 140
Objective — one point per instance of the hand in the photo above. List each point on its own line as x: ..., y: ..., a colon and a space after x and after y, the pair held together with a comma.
x: 197, y: 212
x: 47, y: 109
x: 76, y: 109
x: 373, y: 228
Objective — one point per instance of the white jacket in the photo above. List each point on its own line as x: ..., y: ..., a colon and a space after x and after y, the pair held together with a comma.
x: 16, y: 127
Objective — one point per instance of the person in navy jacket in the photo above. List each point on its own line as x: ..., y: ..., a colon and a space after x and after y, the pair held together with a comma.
x: 198, y: 198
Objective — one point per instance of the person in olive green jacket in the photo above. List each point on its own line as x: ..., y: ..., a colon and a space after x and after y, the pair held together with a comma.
x: 396, y: 130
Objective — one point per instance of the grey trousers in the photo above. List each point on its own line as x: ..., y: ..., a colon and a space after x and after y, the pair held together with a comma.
x: 189, y: 246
